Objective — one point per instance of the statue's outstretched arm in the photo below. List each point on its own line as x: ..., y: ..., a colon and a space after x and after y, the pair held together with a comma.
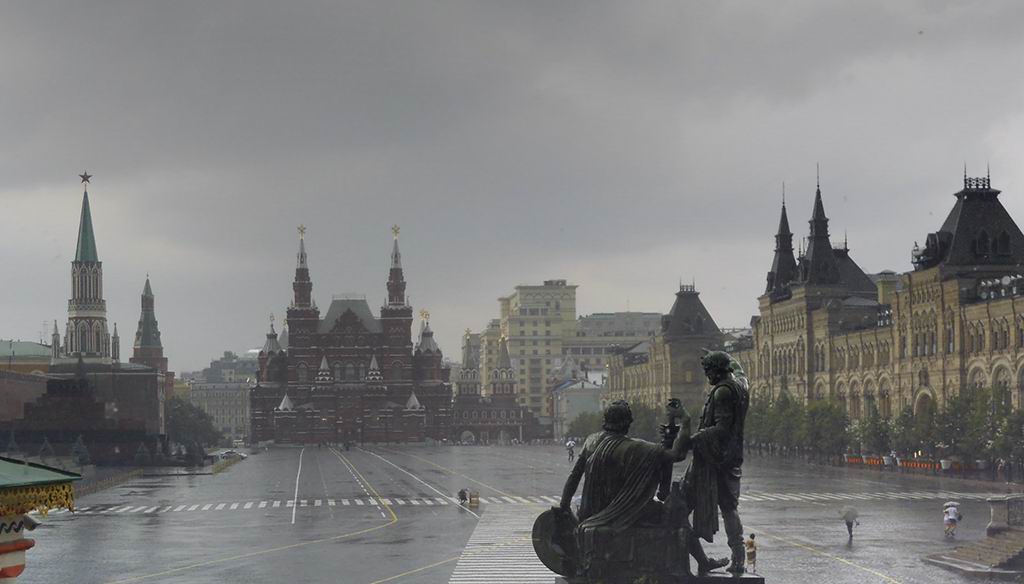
x: 573, y: 482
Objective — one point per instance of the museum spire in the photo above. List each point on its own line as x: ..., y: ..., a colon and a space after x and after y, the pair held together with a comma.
x: 396, y: 279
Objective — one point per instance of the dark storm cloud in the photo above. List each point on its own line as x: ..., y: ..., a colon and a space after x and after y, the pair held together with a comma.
x: 621, y: 145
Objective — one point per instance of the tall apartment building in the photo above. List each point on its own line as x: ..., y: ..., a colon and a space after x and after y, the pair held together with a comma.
x: 543, y: 331
x: 598, y: 334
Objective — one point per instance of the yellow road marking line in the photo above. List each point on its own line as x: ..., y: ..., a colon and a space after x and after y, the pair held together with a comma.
x: 394, y: 520
x: 416, y: 571
x: 843, y: 560
x: 383, y: 503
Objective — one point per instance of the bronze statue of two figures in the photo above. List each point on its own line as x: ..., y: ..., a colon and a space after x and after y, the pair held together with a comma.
x: 634, y: 524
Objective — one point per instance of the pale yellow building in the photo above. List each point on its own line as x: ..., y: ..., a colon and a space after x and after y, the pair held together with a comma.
x: 827, y: 330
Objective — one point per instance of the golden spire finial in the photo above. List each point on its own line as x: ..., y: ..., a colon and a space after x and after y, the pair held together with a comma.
x: 425, y: 315
x: 302, y: 231
x: 468, y: 332
x: 395, y: 229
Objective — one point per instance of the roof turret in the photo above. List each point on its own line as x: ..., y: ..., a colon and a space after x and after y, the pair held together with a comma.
x: 148, y: 333
x: 504, y: 361
x: 271, y: 345
x: 819, y: 262
x: 427, y: 343
x: 374, y: 375
x: 784, y: 269
x: 323, y: 375
x: 286, y: 404
x: 412, y: 403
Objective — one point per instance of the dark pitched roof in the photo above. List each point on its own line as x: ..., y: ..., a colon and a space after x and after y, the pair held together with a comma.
x: 689, y: 317
x: 852, y: 277
x: 977, y: 231
x: 338, y: 315
x: 86, y: 250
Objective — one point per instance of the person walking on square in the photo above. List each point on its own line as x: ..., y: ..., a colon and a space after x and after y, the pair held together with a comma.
x: 570, y: 447
x: 751, y: 546
x: 849, y: 515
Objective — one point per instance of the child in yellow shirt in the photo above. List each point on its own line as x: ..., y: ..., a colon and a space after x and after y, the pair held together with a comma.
x: 751, y: 546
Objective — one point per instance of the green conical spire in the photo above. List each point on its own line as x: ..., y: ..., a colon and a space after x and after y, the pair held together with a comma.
x: 86, y: 251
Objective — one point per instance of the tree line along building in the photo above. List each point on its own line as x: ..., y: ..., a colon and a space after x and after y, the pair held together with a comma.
x: 826, y: 330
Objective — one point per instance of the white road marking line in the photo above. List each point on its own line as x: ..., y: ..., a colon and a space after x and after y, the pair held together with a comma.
x: 427, y: 502
x: 317, y: 503
x: 297, y: 475
x: 441, y: 500
x: 192, y: 508
x: 386, y: 502
x: 219, y: 507
x: 248, y: 505
x: 289, y: 503
x: 276, y: 504
x: 206, y: 507
x: 421, y: 481
x: 179, y: 508
x: 330, y: 502
x: 359, y: 501
x: 400, y: 501
x: 345, y: 502
x: 233, y: 507
x: 304, y: 503
x: 262, y: 505
x: 414, y: 501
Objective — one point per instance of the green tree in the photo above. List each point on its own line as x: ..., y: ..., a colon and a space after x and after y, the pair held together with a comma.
x: 876, y: 432
x: 585, y: 424
x: 903, y: 432
x: 187, y: 423
x: 786, y: 419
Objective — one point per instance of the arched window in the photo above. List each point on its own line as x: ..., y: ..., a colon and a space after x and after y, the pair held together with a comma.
x: 83, y: 338
x: 336, y: 368
x: 350, y: 372
x: 396, y: 370
x: 302, y: 373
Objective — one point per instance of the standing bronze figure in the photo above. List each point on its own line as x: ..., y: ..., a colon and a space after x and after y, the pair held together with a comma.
x: 712, y: 482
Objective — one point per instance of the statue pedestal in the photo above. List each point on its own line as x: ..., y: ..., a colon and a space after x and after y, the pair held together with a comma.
x: 713, y: 578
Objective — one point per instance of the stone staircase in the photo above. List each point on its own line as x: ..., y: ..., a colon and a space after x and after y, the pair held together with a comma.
x: 996, y: 552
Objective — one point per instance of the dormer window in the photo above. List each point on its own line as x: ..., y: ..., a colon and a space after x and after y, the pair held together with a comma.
x: 1003, y: 244
x: 982, y: 244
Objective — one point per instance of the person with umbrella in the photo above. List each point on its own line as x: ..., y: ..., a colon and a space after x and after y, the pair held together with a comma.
x: 849, y: 515
x: 950, y: 517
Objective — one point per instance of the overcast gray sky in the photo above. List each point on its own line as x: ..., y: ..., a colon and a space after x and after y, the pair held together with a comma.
x: 619, y: 145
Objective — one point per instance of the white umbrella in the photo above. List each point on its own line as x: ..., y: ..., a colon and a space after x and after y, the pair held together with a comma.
x: 849, y: 513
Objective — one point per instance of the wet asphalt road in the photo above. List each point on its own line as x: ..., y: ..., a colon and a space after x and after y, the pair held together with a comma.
x: 380, y: 515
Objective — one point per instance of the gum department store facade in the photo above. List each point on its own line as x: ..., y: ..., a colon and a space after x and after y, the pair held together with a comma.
x: 827, y: 330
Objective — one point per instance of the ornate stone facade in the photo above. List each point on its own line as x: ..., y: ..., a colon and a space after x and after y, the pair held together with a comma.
x: 351, y: 375
x: 956, y: 321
